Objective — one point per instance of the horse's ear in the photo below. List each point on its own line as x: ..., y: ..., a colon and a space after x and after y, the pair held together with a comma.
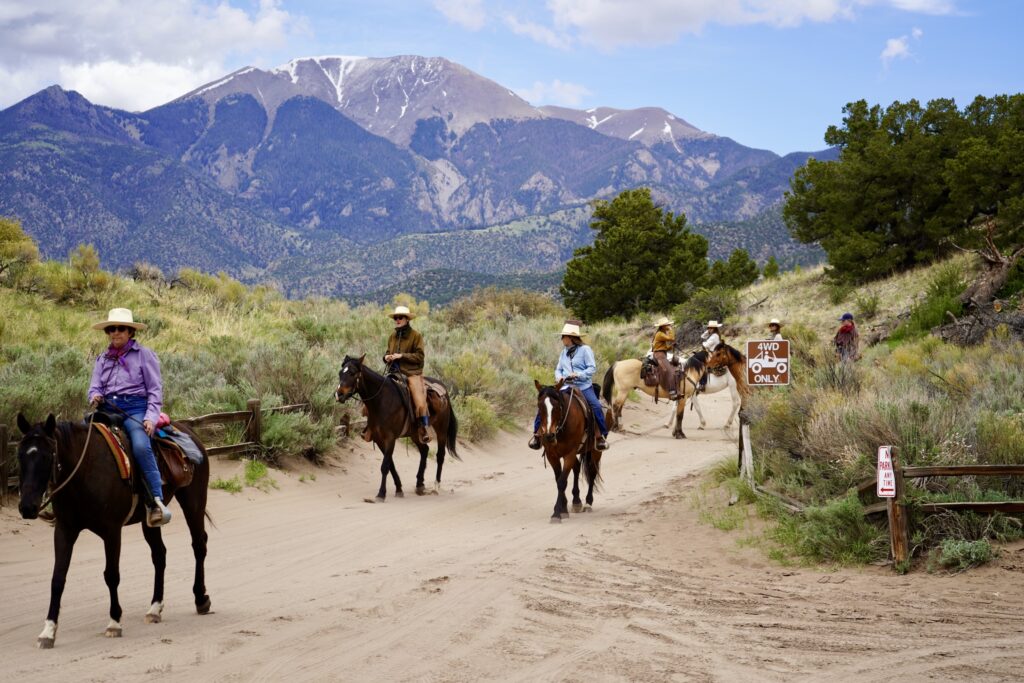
x: 535, y: 383
x: 559, y: 383
x: 23, y: 424
x: 51, y: 425
x: 361, y: 358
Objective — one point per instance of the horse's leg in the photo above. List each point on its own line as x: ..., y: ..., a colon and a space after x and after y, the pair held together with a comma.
x: 387, y: 464
x: 193, y: 505
x: 595, y: 458
x: 622, y: 392
x: 563, y: 483
x: 158, y: 553
x: 442, y: 448
x: 112, y: 575
x: 735, y: 394
x: 399, y: 493
x: 671, y: 414
x: 577, y: 504
x: 680, y: 409
x: 696, y: 405
x: 421, y: 470
x: 556, y: 468
x: 63, y: 544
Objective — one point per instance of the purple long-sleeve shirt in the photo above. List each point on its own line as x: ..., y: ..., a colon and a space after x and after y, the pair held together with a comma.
x: 140, y: 376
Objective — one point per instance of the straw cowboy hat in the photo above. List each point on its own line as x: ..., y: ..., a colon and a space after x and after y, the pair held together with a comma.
x: 714, y: 323
x: 774, y: 321
x: 662, y: 321
x: 119, y: 316
x: 571, y: 330
x: 402, y: 310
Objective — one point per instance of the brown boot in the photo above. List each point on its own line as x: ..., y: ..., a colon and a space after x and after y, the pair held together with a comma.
x: 424, y: 433
x: 367, y: 436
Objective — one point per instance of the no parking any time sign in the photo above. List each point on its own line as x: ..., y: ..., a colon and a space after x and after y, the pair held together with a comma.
x: 768, y: 363
x: 886, y: 487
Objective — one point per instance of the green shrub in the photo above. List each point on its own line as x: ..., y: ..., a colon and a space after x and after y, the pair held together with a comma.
x: 959, y: 555
x: 838, y: 292
x: 867, y: 305
x: 296, y: 434
x: 837, y: 533
x: 232, y: 485
x: 477, y: 419
x: 257, y: 475
x: 942, y: 297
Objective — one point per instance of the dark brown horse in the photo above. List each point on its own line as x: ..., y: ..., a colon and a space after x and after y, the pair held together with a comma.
x: 389, y: 418
x: 565, y: 437
x: 92, y: 496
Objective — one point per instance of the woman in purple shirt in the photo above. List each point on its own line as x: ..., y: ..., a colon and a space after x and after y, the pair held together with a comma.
x: 127, y: 376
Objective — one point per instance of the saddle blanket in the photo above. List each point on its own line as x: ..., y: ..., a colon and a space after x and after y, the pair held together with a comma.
x: 124, y: 463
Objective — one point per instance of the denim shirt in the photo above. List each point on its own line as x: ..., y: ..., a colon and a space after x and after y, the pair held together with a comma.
x: 582, y: 364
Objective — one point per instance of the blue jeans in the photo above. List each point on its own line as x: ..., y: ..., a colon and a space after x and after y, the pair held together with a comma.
x: 595, y: 406
x: 142, y: 448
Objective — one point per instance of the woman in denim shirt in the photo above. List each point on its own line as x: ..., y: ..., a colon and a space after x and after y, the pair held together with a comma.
x: 576, y: 366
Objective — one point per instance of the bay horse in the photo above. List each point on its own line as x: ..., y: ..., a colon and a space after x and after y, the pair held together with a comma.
x: 736, y: 361
x: 564, y: 436
x: 92, y: 496
x: 624, y: 375
x: 389, y: 418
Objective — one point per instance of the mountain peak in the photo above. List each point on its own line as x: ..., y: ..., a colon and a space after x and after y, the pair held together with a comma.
x: 647, y: 125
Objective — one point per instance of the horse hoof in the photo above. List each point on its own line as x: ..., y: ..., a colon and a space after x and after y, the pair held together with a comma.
x: 45, y: 643
x: 577, y: 507
x: 203, y: 607
x: 588, y: 508
x: 421, y: 490
x: 112, y: 632
x: 565, y: 515
x: 555, y: 519
x: 679, y: 435
x: 701, y: 427
x: 152, y: 619
x: 399, y: 494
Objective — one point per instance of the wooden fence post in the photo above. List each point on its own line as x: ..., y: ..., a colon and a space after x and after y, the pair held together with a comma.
x: 899, y: 528
x: 254, y: 430
x: 5, y: 469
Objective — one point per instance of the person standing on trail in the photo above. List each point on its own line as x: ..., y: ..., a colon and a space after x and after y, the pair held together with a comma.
x: 576, y: 367
x: 663, y: 344
x: 405, y: 356
x: 847, y: 339
x: 774, y: 330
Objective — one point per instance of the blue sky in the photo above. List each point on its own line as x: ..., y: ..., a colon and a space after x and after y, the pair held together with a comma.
x: 768, y: 73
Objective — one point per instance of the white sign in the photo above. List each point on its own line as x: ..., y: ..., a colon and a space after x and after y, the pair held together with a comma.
x: 886, y: 487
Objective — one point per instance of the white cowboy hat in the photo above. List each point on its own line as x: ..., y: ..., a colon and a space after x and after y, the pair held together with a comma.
x: 662, y: 321
x: 774, y: 321
x: 714, y: 323
x: 402, y: 310
x: 571, y: 330
x: 119, y: 316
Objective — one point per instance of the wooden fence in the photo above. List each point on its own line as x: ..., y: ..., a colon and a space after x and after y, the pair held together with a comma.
x: 896, y: 508
x: 252, y: 416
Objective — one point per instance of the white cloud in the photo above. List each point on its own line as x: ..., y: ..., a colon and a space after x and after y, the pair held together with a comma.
x: 611, y: 23
x: 895, y: 48
x: 555, y: 92
x: 916, y: 33
x: 466, y: 13
x: 128, y: 51
x: 539, y: 33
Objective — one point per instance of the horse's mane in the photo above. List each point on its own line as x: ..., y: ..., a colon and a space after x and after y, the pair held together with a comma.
x: 735, y: 354
x: 697, y: 361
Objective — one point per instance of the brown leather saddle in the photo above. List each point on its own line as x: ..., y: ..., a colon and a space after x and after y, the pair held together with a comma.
x: 433, y: 387
x: 175, y: 468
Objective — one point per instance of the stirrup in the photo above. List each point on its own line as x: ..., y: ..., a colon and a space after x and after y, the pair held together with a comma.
x: 424, y: 434
x: 158, y: 515
x: 602, y: 444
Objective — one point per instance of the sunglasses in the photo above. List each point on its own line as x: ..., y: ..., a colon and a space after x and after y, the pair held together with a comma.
x: 116, y: 328
x: 401, y: 317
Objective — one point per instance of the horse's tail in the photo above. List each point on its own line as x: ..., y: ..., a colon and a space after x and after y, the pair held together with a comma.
x: 592, y: 469
x: 608, y: 384
x: 453, y: 431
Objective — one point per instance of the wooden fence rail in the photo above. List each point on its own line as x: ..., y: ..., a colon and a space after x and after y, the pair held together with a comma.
x: 252, y: 417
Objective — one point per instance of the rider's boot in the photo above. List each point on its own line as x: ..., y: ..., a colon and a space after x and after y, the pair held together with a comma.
x: 602, y: 443
x: 424, y: 434
x: 534, y: 442
x: 159, y: 514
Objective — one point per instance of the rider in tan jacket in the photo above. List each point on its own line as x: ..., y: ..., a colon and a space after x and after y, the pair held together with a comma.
x: 405, y: 355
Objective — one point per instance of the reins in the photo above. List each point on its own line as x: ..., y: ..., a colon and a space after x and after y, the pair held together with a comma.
x: 49, y: 497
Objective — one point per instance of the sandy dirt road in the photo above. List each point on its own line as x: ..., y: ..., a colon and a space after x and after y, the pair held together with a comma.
x: 310, y: 583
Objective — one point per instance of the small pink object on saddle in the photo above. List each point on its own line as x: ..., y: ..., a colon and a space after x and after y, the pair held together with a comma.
x: 162, y: 421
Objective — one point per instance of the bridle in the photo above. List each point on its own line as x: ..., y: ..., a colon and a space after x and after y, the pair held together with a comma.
x: 564, y: 403
x: 53, y: 475
x: 360, y: 385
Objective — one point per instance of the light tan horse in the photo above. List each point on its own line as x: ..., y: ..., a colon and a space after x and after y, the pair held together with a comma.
x: 624, y: 376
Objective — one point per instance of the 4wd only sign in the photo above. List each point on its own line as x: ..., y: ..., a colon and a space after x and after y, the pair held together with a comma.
x: 768, y: 363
